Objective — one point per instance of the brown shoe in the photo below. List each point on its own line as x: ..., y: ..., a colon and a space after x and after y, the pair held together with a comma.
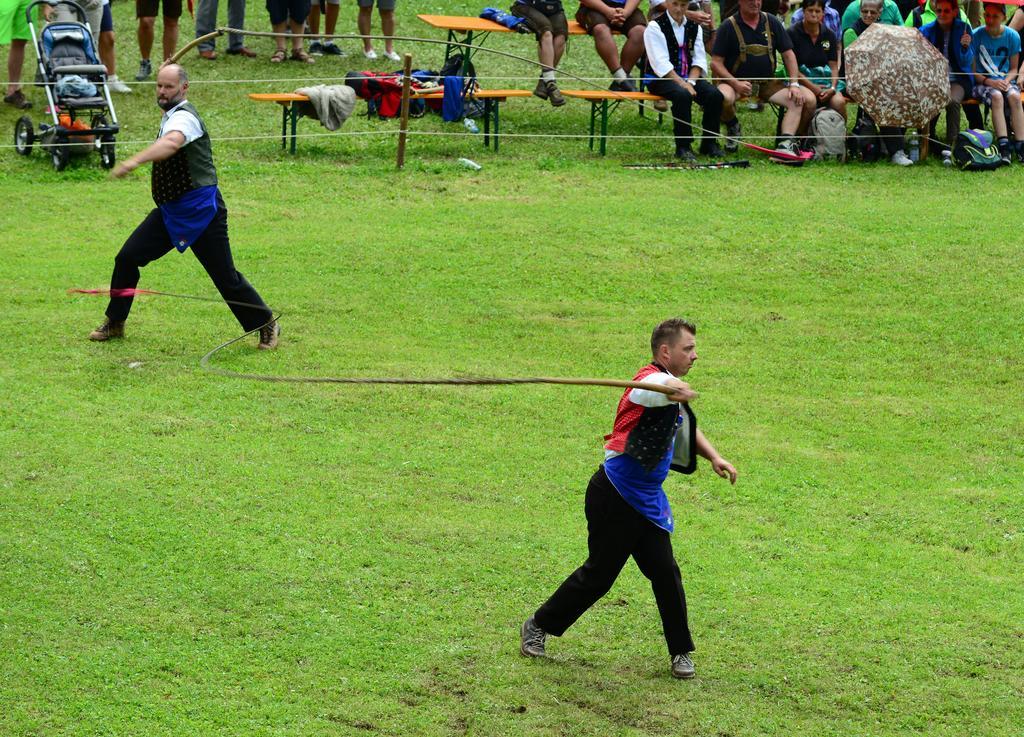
x: 243, y: 51
x: 554, y: 95
x: 108, y: 330
x: 269, y: 335
x: 208, y: 54
x: 18, y: 100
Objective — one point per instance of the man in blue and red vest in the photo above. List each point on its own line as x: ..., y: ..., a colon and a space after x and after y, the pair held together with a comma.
x: 627, y: 511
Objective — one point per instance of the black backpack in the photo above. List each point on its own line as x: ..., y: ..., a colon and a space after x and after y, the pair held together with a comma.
x: 975, y: 151
x: 865, y: 141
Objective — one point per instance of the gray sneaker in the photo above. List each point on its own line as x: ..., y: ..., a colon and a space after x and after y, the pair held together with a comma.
x: 682, y: 666
x: 531, y: 639
x: 332, y: 49
x: 145, y: 69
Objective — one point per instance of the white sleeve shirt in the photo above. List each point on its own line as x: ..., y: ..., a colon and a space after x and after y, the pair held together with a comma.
x: 657, y: 48
x: 649, y: 398
x: 182, y: 121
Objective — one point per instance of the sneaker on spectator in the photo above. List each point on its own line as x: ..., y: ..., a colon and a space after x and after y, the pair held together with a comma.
x: 118, y: 86
x: 332, y: 49
x: 392, y: 55
x: 1004, y: 154
x: 145, y: 69
x: 732, y: 135
x: 682, y: 666
x: 622, y: 85
x: 371, y: 54
x: 316, y: 48
x: 788, y: 146
x: 554, y: 94
x: 901, y: 159
x: 531, y: 639
x: 683, y: 153
x: 17, y: 99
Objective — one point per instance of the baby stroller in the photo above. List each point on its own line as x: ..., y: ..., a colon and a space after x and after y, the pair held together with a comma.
x: 76, y: 90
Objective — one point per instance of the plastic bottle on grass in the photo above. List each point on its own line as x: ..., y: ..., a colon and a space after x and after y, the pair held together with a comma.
x: 471, y: 125
x: 470, y: 164
x: 915, y: 148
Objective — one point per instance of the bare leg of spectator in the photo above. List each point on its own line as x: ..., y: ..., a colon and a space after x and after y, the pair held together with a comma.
x: 633, y: 49
x: 387, y: 27
x: 363, y: 21
x: 170, y: 37
x: 145, y: 35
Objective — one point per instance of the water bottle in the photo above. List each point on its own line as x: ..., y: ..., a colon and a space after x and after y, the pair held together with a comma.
x: 915, y: 148
x: 947, y: 158
x: 469, y: 163
x: 471, y: 125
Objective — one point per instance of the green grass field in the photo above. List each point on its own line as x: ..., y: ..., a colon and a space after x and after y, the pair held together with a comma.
x: 187, y: 554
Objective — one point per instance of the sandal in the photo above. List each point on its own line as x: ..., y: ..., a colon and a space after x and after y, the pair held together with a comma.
x: 301, y: 55
x: 278, y: 56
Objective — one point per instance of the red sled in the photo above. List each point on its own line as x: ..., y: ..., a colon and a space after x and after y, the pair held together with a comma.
x: 781, y: 157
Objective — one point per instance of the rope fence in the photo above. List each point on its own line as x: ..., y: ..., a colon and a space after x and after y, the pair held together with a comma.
x: 594, y: 83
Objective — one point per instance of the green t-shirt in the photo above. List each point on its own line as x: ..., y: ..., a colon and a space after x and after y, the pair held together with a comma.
x: 890, y: 15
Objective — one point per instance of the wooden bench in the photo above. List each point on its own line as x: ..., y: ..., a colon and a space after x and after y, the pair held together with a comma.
x: 603, y: 102
x: 492, y: 100
x: 478, y: 27
x: 289, y: 110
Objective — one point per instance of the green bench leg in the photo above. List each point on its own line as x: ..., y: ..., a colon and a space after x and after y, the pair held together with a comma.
x: 487, y: 123
x: 295, y: 119
x: 604, y: 126
x: 284, y: 127
x: 593, y: 117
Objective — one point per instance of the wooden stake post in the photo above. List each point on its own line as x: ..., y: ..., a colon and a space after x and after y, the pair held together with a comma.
x: 404, y: 129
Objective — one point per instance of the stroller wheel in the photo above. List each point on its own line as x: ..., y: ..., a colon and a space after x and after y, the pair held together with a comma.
x: 60, y: 153
x: 24, y: 135
x: 107, y: 152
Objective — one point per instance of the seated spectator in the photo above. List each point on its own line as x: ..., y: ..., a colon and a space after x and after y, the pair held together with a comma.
x: 744, y: 59
x: 599, y: 17
x: 952, y: 37
x: 996, y: 78
x: 325, y: 46
x: 831, y: 20
x: 289, y: 15
x: 386, y: 10
x: 817, y: 55
x: 890, y: 15
x: 892, y: 137
x: 145, y: 11
x: 922, y: 14
x: 676, y: 69
x: 547, y: 19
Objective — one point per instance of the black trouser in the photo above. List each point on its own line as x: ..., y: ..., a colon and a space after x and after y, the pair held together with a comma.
x: 708, y: 97
x: 151, y: 240
x: 616, y: 531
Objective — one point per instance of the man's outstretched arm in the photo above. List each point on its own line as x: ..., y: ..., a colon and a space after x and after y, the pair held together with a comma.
x: 721, y: 466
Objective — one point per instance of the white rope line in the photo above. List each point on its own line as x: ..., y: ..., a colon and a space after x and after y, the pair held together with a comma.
x: 437, y: 134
